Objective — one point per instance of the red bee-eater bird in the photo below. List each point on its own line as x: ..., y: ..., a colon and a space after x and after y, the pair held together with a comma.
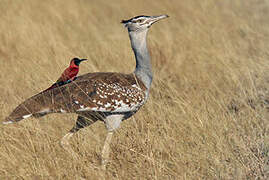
x: 69, y: 73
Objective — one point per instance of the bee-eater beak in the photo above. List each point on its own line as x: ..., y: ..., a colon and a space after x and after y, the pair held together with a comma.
x: 83, y: 60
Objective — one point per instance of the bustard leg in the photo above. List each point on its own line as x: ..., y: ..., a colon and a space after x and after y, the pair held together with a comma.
x: 106, y: 149
x: 112, y: 123
x: 65, y: 144
x: 81, y: 123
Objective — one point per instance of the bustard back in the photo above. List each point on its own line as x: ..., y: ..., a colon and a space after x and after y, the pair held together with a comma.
x: 109, y: 97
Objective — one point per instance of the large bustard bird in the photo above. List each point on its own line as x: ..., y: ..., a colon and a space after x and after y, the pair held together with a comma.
x: 106, y: 96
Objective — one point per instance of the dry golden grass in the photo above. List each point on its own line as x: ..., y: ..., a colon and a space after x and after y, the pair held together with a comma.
x: 207, y: 116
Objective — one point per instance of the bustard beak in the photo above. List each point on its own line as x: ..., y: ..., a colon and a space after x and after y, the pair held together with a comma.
x: 154, y: 19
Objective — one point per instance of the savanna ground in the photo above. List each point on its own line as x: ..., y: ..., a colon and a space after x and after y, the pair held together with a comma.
x: 207, y: 115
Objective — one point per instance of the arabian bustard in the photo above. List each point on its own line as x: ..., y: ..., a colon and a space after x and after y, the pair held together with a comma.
x: 106, y: 96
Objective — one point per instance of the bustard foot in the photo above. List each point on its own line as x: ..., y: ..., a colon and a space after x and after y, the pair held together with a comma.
x: 105, y: 151
x: 66, y: 146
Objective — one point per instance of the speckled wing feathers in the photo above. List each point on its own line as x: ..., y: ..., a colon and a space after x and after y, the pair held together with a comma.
x: 109, y: 92
x: 103, y: 92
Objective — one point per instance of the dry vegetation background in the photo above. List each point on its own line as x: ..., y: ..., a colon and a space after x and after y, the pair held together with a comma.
x: 207, y: 116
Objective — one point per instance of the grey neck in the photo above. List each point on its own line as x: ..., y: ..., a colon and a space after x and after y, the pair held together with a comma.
x: 143, y: 66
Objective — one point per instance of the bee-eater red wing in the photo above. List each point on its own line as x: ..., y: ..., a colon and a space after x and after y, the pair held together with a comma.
x: 69, y: 73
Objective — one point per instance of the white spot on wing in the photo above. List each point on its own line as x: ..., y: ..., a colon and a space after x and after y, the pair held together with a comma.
x: 44, y: 111
x: 107, y: 105
x: 135, y: 86
x: 85, y: 109
x: 26, y: 116
x: 8, y: 122
x: 94, y: 109
x: 99, y: 103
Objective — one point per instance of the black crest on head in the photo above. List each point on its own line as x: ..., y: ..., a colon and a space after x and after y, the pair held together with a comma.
x: 130, y: 20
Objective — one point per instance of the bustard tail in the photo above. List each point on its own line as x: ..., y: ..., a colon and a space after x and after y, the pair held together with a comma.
x: 36, y: 106
x: 56, y: 100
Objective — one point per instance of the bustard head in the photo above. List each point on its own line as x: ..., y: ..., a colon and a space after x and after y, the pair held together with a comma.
x: 141, y: 23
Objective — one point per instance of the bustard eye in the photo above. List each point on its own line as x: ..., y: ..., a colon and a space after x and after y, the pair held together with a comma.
x: 138, y: 21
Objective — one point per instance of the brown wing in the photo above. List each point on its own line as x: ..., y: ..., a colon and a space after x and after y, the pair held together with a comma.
x: 91, y: 92
x: 101, y: 92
